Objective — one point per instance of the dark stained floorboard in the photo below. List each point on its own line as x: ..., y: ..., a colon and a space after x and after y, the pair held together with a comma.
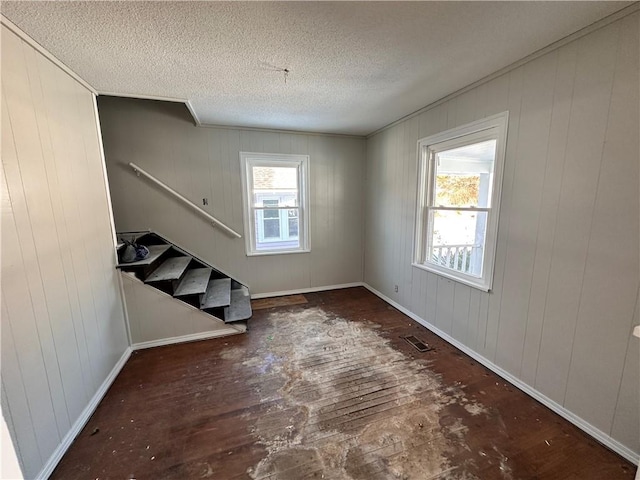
x: 238, y: 407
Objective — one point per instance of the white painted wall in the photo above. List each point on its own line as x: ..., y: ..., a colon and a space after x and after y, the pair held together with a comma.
x: 561, y: 312
x: 63, y: 325
x: 203, y: 162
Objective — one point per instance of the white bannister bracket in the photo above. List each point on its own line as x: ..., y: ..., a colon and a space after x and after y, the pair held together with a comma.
x: 214, y: 221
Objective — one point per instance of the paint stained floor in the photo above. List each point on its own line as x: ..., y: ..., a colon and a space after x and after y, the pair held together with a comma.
x: 326, y: 389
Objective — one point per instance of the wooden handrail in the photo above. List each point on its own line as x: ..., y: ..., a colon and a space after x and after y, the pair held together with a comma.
x: 139, y: 171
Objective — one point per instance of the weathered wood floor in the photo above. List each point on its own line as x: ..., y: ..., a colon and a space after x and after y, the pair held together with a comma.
x: 326, y: 389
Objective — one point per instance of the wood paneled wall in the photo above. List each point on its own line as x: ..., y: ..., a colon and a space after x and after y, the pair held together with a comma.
x: 561, y: 312
x: 204, y: 163
x: 63, y: 325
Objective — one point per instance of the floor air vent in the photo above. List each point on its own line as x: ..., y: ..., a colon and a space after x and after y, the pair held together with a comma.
x: 418, y: 344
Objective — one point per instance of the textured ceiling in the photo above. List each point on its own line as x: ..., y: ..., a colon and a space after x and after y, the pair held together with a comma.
x: 355, y: 66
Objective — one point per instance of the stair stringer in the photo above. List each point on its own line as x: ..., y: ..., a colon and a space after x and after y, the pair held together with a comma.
x: 156, y: 318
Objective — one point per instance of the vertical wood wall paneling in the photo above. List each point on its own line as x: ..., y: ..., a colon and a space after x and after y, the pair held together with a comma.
x: 44, y: 229
x: 96, y: 234
x: 72, y: 174
x: 322, y: 209
x: 60, y: 215
x: 233, y: 145
x: 419, y: 276
x: 30, y: 325
x: 10, y: 467
x: 99, y: 243
x: 72, y: 229
x: 355, y: 170
x: 370, y: 203
x: 473, y: 318
x: 535, y: 120
x: 626, y: 419
x: 460, y: 316
x: 611, y: 253
x: 560, y: 312
x: 408, y: 210
x: 62, y: 315
x: 201, y: 162
x: 514, y: 101
x: 16, y: 392
x: 337, y: 194
x: 493, y: 98
x: 385, y: 209
x: 591, y: 98
x: 437, y: 120
x: 397, y: 199
x: 556, y: 147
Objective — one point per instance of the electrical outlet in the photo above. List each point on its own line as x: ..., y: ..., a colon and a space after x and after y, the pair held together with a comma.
x: 395, y: 288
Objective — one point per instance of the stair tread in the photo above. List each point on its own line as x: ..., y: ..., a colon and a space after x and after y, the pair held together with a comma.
x: 154, y: 252
x: 195, y: 282
x: 240, y: 306
x: 171, y: 269
x: 218, y: 293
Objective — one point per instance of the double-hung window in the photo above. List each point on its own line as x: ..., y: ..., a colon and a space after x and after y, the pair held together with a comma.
x: 460, y: 176
x: 276, y: 203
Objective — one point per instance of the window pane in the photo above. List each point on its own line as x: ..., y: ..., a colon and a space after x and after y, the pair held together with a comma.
x: 457, y: 240
x: 463, y: 175
x: 271, y: 233
x: 293, y: 227
x: 270, y: 213
x: 271, y: 227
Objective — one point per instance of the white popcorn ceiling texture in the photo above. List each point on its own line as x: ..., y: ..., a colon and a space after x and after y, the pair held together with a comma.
x: 355, y: 66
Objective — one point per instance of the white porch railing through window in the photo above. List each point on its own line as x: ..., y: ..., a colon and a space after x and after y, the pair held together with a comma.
x: 462, y: 258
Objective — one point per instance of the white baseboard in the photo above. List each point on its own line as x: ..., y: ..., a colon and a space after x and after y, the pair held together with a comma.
x: 596, y: 433
x: 188, y: 338
x: 306, y: 290
x: 79, y: 424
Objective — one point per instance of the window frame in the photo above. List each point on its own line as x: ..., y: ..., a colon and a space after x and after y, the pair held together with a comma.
x: 495, y: 126
x: 247, y: 161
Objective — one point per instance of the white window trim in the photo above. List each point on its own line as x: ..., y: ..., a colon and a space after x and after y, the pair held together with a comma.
x: 499, y: 122
x: 275, y: 160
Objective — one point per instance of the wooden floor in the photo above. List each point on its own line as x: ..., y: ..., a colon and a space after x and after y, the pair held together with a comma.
x: 326, y: 389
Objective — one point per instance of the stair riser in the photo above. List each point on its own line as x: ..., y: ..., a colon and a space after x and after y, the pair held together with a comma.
x: 144, y: 271
x: 193, y: 300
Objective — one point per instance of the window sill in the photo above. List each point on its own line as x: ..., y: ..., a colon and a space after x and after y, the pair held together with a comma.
x: 277, y: 252
x: 453, y: 277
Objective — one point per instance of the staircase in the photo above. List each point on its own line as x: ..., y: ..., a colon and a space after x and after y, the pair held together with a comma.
x: 188, y: 279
